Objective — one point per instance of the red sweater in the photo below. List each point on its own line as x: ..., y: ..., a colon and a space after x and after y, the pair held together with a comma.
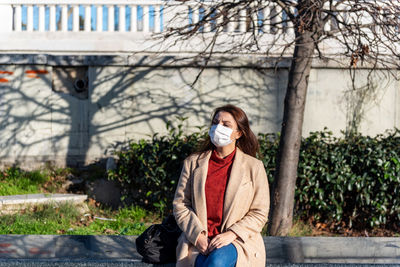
x: 219, y: 170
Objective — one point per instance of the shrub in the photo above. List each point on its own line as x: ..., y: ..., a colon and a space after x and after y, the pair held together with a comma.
x: 149, y: 169
x: 353, y: 181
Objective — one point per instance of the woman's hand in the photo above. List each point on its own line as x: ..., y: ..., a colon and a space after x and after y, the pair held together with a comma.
x: 221, y: 240
x: 202, y: 244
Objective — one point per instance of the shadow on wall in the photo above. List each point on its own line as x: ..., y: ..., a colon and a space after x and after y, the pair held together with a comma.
x: 48, y: 116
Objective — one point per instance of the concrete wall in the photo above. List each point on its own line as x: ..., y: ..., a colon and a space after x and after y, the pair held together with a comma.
x: 43, y: 118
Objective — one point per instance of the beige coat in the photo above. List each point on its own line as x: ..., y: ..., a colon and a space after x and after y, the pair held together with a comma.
x: 245, y: 211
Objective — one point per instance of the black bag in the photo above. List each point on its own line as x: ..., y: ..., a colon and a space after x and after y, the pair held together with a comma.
x: 157, y: 244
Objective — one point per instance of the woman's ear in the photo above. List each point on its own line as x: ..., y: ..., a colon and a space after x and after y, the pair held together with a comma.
x: 238, y: 134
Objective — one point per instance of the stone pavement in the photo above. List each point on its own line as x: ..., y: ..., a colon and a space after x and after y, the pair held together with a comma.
x: 76, y: 251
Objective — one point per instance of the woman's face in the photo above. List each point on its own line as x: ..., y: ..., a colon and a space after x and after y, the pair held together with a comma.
x: 226, y: 119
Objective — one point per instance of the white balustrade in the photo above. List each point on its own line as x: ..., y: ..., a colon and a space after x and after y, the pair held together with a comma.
x: 90, y: 25
x: 19, y: 15
x: 58, y: 12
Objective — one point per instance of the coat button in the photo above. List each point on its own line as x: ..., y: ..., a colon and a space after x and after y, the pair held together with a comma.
x: 256, y: 255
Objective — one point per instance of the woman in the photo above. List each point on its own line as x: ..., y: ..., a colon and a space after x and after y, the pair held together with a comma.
x: 222, y: 199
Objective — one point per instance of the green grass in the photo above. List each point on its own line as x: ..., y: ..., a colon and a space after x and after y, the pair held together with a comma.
x: 66, y: 219
x: 14, y: 181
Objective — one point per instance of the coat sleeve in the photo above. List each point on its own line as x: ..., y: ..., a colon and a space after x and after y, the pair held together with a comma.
x: 185, y: 216
x: 255, y: 219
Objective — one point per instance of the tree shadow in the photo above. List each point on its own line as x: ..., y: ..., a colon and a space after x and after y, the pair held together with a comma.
x: 43, y: 124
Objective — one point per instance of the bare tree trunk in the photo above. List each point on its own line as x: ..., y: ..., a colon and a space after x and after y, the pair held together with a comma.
x: 289, y: 147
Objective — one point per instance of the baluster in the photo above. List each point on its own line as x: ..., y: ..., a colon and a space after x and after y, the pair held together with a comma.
x: 99, y: 22
x: 157, y: 12
x: 122, y: 22
x: 327, y: 26
x: 273, y: 18
x: 64, y: 18
x: 266, y: 20
x: 195, y: 15
x: 133, y: 18
x: 254, y: 18
x: 75, y: 18
x: 242, y: 20
x: 279, y: 12
x: 290, y: 26
x: 146, y: 18
x: 231, y: 24
x: 220, y: 19
x: 29, y: 18
x: 41, y: 18
x: 18, y: 18
x: 207, y: 24
x: 88, y: 18
x: 52, y: 18
x: 111, y: 19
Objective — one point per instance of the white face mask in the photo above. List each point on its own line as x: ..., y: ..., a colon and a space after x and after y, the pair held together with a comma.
x: 220, y: 135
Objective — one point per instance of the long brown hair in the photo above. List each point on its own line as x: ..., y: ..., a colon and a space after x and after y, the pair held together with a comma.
x: 248, y: 142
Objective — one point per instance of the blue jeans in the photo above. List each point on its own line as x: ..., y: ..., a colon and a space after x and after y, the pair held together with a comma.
x: 221, y: 257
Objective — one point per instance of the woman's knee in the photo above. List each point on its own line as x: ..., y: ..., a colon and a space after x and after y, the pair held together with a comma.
x: 225, y: 257
x: 214, y: 261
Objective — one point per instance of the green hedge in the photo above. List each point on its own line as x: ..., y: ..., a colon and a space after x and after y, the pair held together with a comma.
x: 149, y: 169
x: 353, y: 181
x: 346, y: 181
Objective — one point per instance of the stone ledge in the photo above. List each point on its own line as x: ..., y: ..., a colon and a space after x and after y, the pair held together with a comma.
x: 117, y: 263
x: 165, y: 60
x: 121, y: 250
x: 15, y: 202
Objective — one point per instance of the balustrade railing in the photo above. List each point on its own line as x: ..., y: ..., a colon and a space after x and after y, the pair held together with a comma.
x: 82, y: 15
x: 117, y: 15
x: 132, y: 20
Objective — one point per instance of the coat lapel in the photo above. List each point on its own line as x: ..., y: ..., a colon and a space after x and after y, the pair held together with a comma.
x: 199, y: 183
x: 232, y: 187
